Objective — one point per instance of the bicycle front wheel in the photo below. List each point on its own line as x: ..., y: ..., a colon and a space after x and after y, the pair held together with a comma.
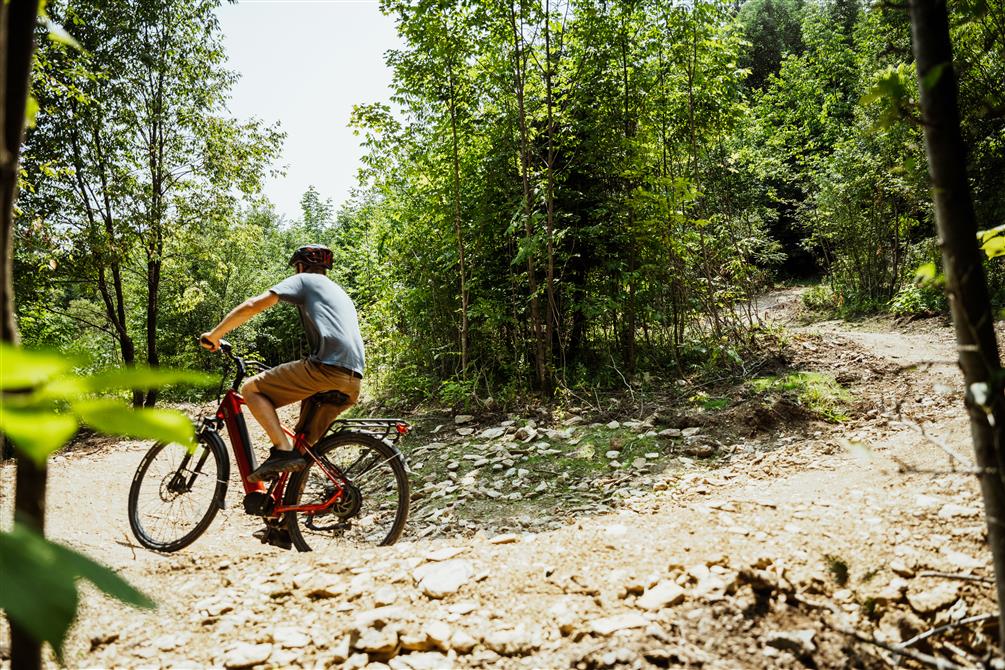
x: 175, y: 494
x: 373, y: 507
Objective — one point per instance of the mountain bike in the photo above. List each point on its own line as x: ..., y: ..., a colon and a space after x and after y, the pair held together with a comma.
x: 354, y: 489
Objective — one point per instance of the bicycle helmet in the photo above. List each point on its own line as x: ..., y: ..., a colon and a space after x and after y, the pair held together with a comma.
x: 312, y: 255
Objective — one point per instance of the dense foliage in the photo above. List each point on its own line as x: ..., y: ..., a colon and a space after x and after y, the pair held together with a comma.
x: 560, y: 194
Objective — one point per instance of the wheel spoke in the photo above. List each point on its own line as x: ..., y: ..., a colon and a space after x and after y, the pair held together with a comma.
x: 174, y: 496
x: 374, y: 503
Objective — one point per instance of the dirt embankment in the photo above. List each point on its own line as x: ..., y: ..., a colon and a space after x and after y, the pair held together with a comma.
x: 733, y: 528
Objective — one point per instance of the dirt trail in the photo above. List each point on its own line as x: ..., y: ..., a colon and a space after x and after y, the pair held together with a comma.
x: 755, y: 557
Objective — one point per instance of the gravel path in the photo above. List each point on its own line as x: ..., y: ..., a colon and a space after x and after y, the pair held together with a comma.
x: 757, y: 558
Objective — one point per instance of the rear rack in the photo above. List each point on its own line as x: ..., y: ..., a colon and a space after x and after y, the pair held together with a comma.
x: 382, y: 429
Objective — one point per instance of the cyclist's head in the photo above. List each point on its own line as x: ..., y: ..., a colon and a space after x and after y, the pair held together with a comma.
x: 312, y: 258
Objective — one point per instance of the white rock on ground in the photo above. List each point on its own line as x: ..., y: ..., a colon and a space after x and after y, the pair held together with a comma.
x: 934, y: 599
x: 514, y: 642
x: 445, y: 553
x: 385, y: 595
x: 429, y: 660
x: 438, y: 633
x: 462, y: 419
x: 340, y: 651
x: 290, y: 638
x: 244, y: 655
x: 505, y: 538
x: 952, y: 510
x: 667, y: 593
x: 612, y: 624
x: 462, y: 642
x: 378, y: 642
x: 438, y: 580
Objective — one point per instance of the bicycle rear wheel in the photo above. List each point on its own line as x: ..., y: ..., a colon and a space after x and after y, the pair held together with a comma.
x: 373, y: 508
x: 175, y: 494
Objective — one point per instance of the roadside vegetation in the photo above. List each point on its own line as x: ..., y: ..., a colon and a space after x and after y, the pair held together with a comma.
x: 558, y: 240
x: 567, y: 197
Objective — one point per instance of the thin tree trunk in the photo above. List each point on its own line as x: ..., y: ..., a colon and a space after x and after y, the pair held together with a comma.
x: 457, y: 218
x: 551, y: 312
x: 155, y: 244
x: 17, y: 25
x: 966, y: 285
x: 519, y: 78
x: 114, y: 303
x: 153, y: 290
x: 628, y: 340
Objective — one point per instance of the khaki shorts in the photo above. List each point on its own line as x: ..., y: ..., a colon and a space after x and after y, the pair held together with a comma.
x: 298, y: 380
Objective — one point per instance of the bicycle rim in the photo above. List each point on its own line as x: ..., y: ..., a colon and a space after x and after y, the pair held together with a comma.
x: 175, y: 494
x: 374, y: 506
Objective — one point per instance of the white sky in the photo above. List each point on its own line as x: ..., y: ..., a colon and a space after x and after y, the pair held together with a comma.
x: 305, y: 63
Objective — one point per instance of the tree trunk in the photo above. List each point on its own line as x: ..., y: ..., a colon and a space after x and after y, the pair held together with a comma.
x: 551, y: 311
x: 113, y: 298
x: 457, y: 219
x: 630, y: 320
x: 17, y: 25
x: 155, y: 243
x: 519, y: 81
x: 966, y: 285
x: 153, y: 290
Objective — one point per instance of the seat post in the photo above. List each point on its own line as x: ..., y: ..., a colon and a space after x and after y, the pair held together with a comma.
x: 316, y: 400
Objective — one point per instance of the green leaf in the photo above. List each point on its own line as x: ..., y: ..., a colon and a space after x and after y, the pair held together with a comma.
x: 66, y: 387
x: 985, y: 235
x: 992, y: 241
x: 38, y: 584
x: 925, y: 274
x: 36, y: 432
x: 932, y: 77
x: 103, y: 578
x: 34, y: 591
x: 146, y: 378
x: 22, y: 369
x: 116, y: 418
x: 994, y: 247
x: 30, y: 111
x: 58, y: 34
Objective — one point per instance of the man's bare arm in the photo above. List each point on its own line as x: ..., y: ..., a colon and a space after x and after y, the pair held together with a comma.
x: 238, y: 316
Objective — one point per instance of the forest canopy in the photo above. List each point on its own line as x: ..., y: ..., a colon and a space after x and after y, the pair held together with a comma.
x: 559, y: 194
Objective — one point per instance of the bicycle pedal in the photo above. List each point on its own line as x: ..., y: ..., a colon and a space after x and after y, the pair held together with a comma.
x: 274, y: 537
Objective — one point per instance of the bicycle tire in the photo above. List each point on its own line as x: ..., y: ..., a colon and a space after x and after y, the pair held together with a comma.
x: 209, y: 447
x: 370, y: 455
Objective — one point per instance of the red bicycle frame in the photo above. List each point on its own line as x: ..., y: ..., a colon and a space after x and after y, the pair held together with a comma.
x: 232, y: 416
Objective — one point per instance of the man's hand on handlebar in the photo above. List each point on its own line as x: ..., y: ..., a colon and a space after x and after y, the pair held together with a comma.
x: 207, y: 341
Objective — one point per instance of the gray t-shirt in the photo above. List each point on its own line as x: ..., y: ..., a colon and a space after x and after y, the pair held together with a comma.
x: 328, y: 317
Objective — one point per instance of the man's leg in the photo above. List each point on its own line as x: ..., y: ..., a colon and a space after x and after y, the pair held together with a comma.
x: 280, y: 386
x: 265, y: 413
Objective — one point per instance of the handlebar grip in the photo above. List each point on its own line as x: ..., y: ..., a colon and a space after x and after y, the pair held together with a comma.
x: 224, y: 345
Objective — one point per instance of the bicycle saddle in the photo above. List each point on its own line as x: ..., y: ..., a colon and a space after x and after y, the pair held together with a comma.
x: 330, y: 398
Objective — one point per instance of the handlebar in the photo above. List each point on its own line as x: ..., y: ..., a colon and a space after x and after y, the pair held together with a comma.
x: 225, y: 346
x: 242, y: 365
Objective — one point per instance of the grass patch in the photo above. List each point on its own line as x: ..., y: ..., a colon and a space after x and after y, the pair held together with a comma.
x: 838, y: 568
x: 818, y: 392
x: 709, y: 403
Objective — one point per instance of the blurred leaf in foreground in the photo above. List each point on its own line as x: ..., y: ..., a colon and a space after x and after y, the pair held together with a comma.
x: 39, y: 584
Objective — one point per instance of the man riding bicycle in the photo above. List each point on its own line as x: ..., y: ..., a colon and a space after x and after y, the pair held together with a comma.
x: 335, y: 363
